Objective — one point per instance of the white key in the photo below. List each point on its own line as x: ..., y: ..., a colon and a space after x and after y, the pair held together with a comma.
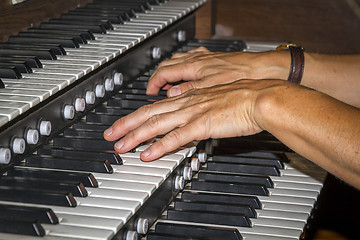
x: 52, y: 89
x: 111, y: 203
x: 42, y: 95
x: 22, y: 107
x: 293, y: 193
x: 61, y: 67
x: 93, y: 65
x: 171, y: 157
x: 296, y: 179
x: 75, y: 73
x: 3, y: 120
x: 130, y: 177
x: 263, y: 237
x: 297, y: 186
x: 78, y: 232
x: 96, y: 53
x: 10, y: 113
x: 278, y: 223
x: 274, y: 214
x: 8, y: 236
x: 45, y: 76
x: 287, y: 199
x: 90, y: 59
x: 160, y: 172
x: 171, y: 165
x: 118, y: 194
x: 126, y: 185
x: 93, y: 222
x: 45, y: 82
x: 25, y: 99
x: 118, y: 35
x: 287, y: 207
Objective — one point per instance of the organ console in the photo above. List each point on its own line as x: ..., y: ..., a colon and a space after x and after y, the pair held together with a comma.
x: 68, y: 77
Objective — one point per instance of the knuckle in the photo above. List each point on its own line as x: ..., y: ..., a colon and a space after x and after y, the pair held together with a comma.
x: 145, y: 111
x: 154, y: 122
x: 174, y: 137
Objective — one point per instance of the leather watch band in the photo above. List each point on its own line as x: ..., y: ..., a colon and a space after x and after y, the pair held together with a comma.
x: 297, y: 64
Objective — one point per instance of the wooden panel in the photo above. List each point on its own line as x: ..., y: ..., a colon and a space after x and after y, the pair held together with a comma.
x: 330, y: 26
x: 205, y: 20
x: 31, y: 13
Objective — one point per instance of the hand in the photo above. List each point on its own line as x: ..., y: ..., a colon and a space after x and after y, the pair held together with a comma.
x: 221, y: 111
x: 202, y: 68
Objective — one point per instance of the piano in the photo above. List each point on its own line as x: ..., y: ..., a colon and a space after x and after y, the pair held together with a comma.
x: 67, y: 78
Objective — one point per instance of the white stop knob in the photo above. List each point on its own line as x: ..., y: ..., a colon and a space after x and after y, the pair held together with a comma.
x: 195, y: 164
x: 90, y: 97
x: 187, y: 173
x: 181, y: 36
x: 142, y: 226
x: 179, y: 183
x: 69, y: 112
x: 131, y: 235
x: 202, y: 156
x: 18, y: 145
x: 45, y: 128
x: 156, y: 53
x: 109, y: 84
x: 80, y: 104
x: 32, y: 136
x: 5, y: 155
x: 100, y: 91
x: 118, y: 78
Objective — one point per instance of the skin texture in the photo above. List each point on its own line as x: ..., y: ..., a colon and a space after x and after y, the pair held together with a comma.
x: 315, y: 125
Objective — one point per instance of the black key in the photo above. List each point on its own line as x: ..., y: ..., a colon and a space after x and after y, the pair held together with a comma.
x: 161, y: 236
x: 141, y: 91
x: 124, y: 103
x: 56, y: 198
x: 21, y: 66
x: 229, y: 187
x: 64, y: 41
x: 258, y: 161
x: 114, y: 16
x: 84, y: 143
x: 114, y: 110
x: 236, y: 178
x: 252, y: 201
x: 86, y: 35
x: 87, y: 179
x: 139, y: 84
x: 90, y: 127
x: 138, y: 97
x: 112, y: 157
x: 86, y: 17
x: 198, y: 231
x: 32, y: 61
x: 41, y: 53
x: 93, y: 28
x: 248, y: 143
x: 16, y: 226
x: 215, y: 207
x: 2, y: 85
x: 243, y: 168
x: 102, y: 166
x: 76, y: 188
x: 9, y: 72
x: 231, y: 152
x: 106, y: 119
x: 77, y: 38
x: 55, y: 48
x: 43, y: 215
x: 106, y: 25
x: 87, y: 134
x: 231, y: 219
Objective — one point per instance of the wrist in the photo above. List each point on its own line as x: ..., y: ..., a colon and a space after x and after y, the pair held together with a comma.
x: 273, y: 65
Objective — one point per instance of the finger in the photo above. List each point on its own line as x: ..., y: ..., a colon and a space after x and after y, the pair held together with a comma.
x: 172, y: 141
x: 170, y: 74
x: 125, y: 124
x: 154, y: 126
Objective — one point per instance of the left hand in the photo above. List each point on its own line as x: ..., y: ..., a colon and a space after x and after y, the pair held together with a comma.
x: 221, y: 111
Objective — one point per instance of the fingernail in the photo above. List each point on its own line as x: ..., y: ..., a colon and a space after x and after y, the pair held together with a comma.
x: 175, y: 91
x: 145, y: 153
x: 108, y: 131
x: 119, y: 144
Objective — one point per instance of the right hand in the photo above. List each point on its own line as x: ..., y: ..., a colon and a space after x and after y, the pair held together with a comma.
x: 202, y: 68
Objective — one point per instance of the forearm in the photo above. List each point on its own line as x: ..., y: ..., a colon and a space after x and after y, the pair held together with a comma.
x: 335, y: 75
x: 316, y: 126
